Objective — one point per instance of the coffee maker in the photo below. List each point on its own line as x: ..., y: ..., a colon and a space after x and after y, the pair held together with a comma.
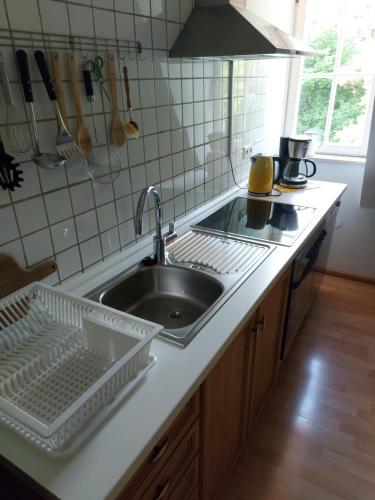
x: 292, y: 152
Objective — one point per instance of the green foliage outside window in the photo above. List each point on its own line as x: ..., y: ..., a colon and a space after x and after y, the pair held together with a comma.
x: 315, y: 92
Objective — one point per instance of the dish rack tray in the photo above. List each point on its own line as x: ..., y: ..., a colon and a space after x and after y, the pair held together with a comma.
x: 63, y: 360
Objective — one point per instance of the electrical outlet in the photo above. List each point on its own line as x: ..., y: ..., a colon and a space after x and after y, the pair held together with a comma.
x: 247, y: 151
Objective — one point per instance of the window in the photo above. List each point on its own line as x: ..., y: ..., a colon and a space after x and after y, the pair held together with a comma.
x: 331, y: 94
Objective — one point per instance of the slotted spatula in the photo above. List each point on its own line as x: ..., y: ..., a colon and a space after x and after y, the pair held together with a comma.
x: 65, y: 143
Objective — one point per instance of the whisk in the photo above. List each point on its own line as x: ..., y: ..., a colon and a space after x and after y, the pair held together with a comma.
x: 18, y: 135
x: 104, y: 162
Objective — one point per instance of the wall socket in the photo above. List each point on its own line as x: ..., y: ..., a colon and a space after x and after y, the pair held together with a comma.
x: 247, y: 151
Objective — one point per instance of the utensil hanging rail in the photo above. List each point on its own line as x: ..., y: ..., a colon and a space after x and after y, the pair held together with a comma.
x: 38, y: 40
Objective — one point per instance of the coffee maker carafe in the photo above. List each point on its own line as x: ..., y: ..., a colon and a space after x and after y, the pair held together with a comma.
x: 291, y: 157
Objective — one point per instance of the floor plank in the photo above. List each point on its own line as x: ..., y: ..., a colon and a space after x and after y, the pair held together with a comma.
x: 315, y: 440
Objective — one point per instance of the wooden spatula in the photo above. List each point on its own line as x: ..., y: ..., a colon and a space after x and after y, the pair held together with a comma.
x: 118, y: 132
x: 57, y: 76
x: 82, y: 134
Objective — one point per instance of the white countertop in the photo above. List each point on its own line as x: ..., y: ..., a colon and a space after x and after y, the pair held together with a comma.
x: 103, y: 465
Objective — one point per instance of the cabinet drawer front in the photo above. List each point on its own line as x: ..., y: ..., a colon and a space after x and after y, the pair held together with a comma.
x: 193, y: 495
x: 170, y: 477
x: 188, y: 481
x: 164, y: 449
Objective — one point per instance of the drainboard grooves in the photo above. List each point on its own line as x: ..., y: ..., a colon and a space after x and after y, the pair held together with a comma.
x: 238, y: 261
x: 223, y: 255
x: 199, y: 248
x: 230, y: 252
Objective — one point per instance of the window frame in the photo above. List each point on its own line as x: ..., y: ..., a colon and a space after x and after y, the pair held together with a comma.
x: 294, y: 92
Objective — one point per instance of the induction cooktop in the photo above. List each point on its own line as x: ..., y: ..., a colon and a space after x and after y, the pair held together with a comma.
x: 264, y: 220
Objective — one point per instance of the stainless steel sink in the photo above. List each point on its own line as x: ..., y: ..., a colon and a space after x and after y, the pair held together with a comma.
x: 200, y: 274
x: 174, y: 297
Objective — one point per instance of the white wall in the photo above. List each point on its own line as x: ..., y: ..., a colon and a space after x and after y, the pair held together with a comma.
x: 281, y: 14
x: 368, y: 188
x: 353, y: 245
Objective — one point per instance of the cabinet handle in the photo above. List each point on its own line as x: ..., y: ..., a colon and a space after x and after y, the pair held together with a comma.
x: 159, y: 451
x: 162, y: 490
x: 261, y: 323
x: 258, y: 325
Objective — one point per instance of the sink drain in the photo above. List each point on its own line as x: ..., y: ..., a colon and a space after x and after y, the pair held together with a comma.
x: 176, y: 314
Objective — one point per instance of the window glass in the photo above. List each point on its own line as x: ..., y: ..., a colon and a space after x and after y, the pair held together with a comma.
x: 359, y: 38
x: 313, y: 105
x: 336, y: 85
x: 321, y: 33
x: 349, y: 111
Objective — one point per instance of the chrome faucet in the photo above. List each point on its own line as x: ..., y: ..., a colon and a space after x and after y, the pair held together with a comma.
x: 159, y: 239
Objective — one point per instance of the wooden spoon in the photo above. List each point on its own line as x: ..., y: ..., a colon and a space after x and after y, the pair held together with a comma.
x: 57, y: 76
x: 131, y: 127
x: 83, y: 136
x: 118, y: 132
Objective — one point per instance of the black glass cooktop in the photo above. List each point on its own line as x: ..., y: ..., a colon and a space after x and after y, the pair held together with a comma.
x: 265, y: 220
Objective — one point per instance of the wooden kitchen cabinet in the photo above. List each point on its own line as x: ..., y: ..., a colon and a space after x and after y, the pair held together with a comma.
x: 268, y: 331
x: 235, y: 390
x: 224, y: 396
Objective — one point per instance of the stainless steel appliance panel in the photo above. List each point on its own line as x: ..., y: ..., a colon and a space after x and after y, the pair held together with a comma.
x: 306, y: 278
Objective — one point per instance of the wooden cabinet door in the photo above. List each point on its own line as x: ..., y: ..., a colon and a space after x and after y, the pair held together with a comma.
x: 223, y: 413
x: 269, y: 329
x: 177, y: 446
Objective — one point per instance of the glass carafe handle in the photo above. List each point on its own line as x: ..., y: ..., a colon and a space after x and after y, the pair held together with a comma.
x: 307, y: 167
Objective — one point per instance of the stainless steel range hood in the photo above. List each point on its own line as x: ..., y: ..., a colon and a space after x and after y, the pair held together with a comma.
x: 226, y: 29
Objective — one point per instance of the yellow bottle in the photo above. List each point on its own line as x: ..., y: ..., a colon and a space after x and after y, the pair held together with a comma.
x: 261, y: 175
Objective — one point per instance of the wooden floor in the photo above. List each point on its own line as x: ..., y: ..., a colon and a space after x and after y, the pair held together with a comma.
x: 316, y: 437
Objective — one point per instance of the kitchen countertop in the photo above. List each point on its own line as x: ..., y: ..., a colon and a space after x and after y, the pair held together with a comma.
x: 104, y: 464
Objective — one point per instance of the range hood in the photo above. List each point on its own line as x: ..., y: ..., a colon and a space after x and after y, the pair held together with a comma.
x: 226, y: 29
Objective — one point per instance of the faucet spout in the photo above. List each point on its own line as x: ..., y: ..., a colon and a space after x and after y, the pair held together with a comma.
x: 158, y: 238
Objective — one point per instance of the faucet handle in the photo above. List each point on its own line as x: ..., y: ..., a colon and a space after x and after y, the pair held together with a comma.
x: 171, y: 234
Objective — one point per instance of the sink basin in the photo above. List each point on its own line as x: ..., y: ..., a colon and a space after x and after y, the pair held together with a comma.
x: 201, y: 273
x: 174, y: 297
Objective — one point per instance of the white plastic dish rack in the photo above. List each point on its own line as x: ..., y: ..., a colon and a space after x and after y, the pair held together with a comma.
x: 64, y: 362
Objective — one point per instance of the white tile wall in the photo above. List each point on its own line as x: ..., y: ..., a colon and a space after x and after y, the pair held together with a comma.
x: 110, y: 241
x: 87, y: 225
x: 182, y: 109
x: 64, y: 235
x: 38, y: 246
x: 31, y: 215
